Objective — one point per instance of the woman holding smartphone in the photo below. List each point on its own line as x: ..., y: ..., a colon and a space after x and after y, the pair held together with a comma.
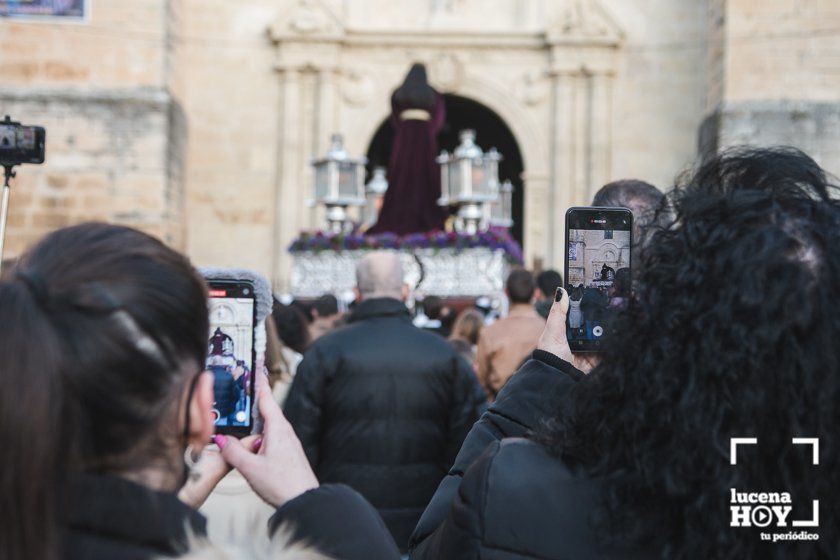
x: 105, y: 336
x: 731, y: 331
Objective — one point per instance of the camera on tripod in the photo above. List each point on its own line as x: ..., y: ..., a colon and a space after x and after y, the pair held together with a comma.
x: 18, y: 144
x: 21, y: 144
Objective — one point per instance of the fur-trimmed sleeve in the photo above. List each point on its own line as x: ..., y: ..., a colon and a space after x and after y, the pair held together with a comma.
x: 338, y: 521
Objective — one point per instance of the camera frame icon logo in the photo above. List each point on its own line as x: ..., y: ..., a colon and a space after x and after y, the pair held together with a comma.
x: 762, y: 509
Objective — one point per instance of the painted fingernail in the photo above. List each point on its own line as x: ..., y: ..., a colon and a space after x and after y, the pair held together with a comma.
x: 257, y: 445
x: 558, y: 293
x: 220, y: 440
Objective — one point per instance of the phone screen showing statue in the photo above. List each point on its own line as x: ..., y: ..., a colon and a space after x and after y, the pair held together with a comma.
x: 230, y: 356
x: 598, y: 273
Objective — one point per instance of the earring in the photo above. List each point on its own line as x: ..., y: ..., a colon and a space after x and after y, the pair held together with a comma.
x: 191, y: 461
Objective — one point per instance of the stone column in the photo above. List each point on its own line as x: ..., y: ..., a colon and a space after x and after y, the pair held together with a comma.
x: 311, y: 146
x: 581, y: 145
x: 537, y: 232
x: 581, y: 133
x: 308, y: 116
x: 571, y: 153
x: 562, y: 164
x: 327, y: 116
x: 287, y: 203
x: 600, y: 138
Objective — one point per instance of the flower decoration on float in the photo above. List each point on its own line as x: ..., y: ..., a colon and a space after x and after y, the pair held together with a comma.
x: 493, y: 238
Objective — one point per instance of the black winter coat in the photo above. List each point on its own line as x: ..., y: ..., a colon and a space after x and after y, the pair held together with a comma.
x: 382, y: 406
x: 517, y: 502
x: 508, y: 498
x: 108, y: 518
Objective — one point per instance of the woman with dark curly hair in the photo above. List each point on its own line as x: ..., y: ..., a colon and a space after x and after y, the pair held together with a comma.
x: 730, y: 332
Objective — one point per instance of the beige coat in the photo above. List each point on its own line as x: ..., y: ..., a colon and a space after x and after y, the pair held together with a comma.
x: 505, y: 344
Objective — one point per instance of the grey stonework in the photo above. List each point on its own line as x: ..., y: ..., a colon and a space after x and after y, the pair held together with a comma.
x: 813, y: 127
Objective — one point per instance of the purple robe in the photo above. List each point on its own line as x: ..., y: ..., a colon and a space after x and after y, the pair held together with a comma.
x: 410, y: 203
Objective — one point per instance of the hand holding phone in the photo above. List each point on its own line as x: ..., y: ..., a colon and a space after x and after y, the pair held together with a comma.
x: 275, y: 467
x: 597, y: 271
x: 554, y: 340
x: 231, y: 358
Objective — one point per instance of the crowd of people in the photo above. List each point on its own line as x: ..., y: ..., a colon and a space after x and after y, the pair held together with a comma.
x: 461, y: 436
x: 493, y: 347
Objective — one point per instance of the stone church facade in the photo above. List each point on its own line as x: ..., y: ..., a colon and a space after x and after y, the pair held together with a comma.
x: 196, y: 120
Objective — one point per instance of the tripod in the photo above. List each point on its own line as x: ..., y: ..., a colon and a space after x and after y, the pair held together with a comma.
x: 8, y: 173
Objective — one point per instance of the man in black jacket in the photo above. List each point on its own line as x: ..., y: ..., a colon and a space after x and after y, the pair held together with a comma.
x: 381, y: 405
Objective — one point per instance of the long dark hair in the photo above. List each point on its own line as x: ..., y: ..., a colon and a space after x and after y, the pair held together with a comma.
x: 732, y: 333
x: 102, y: 327
x: 415, y: 91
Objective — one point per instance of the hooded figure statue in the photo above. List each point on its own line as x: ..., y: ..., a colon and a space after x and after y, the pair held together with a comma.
x: 417, y: 115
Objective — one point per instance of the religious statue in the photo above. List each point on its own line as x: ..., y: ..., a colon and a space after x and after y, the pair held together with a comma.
x: 607, y: 273
x: 417, y: 115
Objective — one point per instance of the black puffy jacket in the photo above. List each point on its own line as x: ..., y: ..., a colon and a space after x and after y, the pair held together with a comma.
x: 382, y: 406
x: 108, y: 518
x: 506, y: 497
x: 494, y: 502
x: 527, y: 399
x: 517, y: 502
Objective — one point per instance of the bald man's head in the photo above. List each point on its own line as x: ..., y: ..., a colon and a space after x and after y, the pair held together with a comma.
x: 379, y: 275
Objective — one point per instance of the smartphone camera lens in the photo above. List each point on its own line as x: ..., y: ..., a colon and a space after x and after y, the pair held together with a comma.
x: 246, y: 291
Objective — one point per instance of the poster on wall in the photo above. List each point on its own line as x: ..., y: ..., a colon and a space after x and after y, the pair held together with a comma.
x: 71, y: 9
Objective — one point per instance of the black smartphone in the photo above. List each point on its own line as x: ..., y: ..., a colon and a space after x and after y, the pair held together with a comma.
x: 230, y: 354
x: 21, y: 144
x: 597, y: 271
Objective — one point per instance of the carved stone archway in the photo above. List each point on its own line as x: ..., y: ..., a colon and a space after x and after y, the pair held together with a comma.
x: 552, y: 87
